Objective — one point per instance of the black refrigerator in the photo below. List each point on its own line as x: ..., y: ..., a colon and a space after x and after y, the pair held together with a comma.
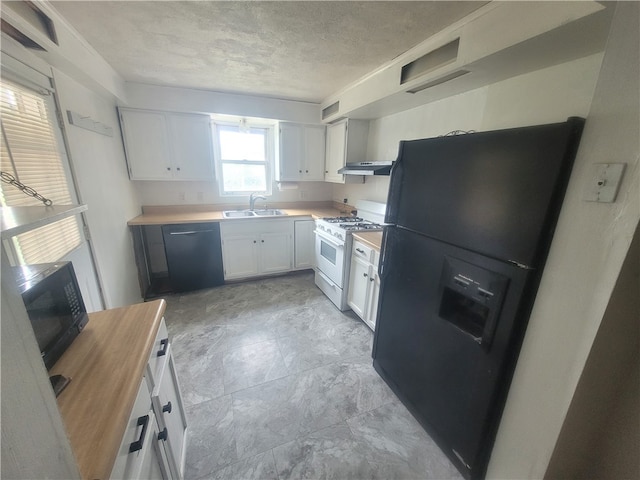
x: 471, y: 219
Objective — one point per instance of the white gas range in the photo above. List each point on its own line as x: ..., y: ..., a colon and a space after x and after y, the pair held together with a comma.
x: 333, y: 248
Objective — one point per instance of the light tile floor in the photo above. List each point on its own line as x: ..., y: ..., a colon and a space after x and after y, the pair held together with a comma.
x: 279, y: 384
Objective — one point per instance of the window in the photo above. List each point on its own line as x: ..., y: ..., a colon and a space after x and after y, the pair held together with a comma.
x: 30, y: 152
x: 244, y: 154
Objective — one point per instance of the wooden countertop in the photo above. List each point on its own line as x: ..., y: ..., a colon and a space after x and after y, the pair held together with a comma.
x: 106, y: 363
x: 182, y: 215
x: 373, y: 239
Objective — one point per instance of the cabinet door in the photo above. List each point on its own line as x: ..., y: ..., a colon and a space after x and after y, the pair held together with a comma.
x: 141, y: 453
x: 169, y: 412
x: 335, y: 152
x: 304, y: 246
x: 146, y: 143
x: 314, y: 153
x: 291, y: 151
x: 275, y: 252
x: 372, y: 304
x: 154, y: 465
x: 239, y: 256
x: 358, y: 286
x: 191, y: 146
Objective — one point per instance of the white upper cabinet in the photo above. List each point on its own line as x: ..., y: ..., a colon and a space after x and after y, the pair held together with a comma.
x: 167, y: 146
x: 346, y: 143
x: 301, y: 153
x: 192, y: 146
x: 146, y: 144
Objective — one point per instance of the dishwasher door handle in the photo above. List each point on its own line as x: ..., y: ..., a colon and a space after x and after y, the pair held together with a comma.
x: 190, y: 233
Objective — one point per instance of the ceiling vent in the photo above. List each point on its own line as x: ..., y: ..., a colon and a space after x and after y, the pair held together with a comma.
x: 330, y: 110
x: 439, y: 81
x: 430, y: 61
x: 36, y: 18
x: 19, y: 37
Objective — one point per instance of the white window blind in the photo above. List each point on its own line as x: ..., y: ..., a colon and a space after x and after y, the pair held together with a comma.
x: 30, y: 152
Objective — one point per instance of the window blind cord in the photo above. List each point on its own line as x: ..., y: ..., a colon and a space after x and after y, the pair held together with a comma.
x: 11, y: 180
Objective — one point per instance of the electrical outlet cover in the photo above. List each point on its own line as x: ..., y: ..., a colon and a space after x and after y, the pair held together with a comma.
x: 604, y: 182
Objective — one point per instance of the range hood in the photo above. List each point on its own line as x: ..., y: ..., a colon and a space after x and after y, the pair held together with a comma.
x: 366, y: 168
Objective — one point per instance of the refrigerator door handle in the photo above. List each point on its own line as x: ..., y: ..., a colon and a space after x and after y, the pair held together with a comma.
x: 395, y: 185
x: 383, y: 256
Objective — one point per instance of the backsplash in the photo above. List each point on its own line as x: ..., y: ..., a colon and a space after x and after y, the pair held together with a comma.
x: 206, y: 193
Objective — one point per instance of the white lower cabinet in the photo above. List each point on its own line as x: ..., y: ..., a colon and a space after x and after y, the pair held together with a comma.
x: 364, y: 283
x: 304, y: 244
x: 153, y: 446
x: 141, y: 455
x: 359, y: 286
x: 155, y: 461
x: 239, y: 254
x: 169, y: 412
x: 275, y: 252
x: 256, y: 247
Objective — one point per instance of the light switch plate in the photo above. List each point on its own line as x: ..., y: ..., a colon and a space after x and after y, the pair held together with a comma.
x: 604, y: 182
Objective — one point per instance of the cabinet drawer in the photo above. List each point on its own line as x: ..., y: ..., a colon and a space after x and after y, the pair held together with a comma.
x: 158, y: 357
x: 363, y: 251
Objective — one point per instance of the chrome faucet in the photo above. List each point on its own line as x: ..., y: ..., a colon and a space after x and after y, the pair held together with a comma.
x: 252, y: 200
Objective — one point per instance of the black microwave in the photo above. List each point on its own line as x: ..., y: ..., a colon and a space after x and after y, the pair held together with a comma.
x: 54, y: 304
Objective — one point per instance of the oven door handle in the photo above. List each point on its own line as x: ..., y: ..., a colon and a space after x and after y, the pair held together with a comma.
x: 328, y: 239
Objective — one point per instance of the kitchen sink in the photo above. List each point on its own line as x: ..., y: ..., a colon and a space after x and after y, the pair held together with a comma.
x: 237, y: 213
x: 272, y: 212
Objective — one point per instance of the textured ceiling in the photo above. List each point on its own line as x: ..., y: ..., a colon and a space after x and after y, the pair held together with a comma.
x: 294, y: 50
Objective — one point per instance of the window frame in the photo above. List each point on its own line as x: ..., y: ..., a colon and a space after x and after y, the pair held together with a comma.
x: 270, y: 152
x: 71, y: 227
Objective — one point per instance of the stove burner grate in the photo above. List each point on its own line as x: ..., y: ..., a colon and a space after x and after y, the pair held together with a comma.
x: 361, y: 226
x: 343, y: 219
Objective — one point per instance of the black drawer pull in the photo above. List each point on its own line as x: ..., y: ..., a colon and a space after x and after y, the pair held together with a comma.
x: 164, y: 343
x: 163, y: 434
x: 137, y: 445
x: 167, y: 408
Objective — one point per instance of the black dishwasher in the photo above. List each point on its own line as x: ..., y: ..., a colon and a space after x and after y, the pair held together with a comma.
x: 194, y: 255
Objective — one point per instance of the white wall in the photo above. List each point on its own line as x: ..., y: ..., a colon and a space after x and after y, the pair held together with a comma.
x: 606, y: 445
x: 172, y: 193
x: 174, y: 99
x: 101, y: 175
x: 545, y: 96
x: 200, y: 101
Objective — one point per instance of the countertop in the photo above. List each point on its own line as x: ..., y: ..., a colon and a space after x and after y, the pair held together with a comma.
x: 106, y: 363
x: 198, y: 214
x: 372, y: 239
